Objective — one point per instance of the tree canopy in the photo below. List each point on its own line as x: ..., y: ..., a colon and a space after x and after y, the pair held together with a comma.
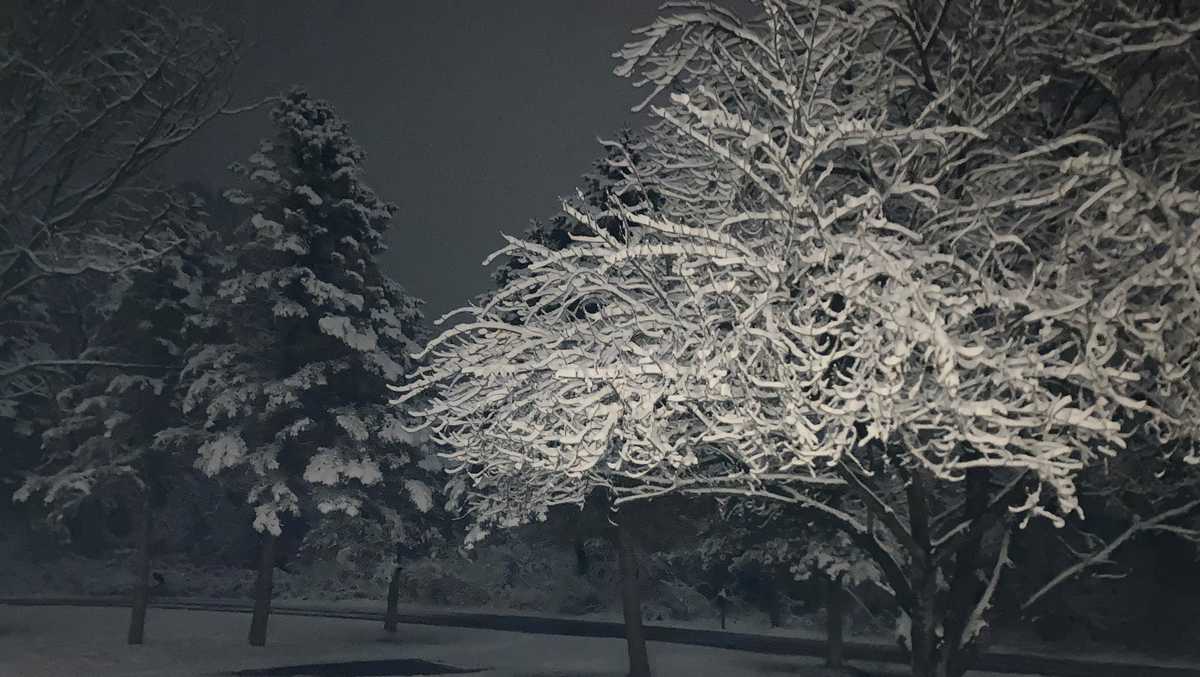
x: 942, y: 257
x: 304, y: 330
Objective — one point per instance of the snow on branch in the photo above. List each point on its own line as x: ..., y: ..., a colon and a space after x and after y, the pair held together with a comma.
x: 853, y: 246
x: 95, y: 95
x: 1159, y: 521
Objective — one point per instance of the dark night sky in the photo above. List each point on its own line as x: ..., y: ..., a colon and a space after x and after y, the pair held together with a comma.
x: 476, y: 116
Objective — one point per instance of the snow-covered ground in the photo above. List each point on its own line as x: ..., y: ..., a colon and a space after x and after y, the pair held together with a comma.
x: 68, y: 641
x: 79, y: 576
x: 800, y: 627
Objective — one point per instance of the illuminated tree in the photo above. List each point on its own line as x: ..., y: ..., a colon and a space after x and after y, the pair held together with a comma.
x: 941, y: 258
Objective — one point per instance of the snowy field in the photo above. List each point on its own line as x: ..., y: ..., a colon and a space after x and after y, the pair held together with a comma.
x: 62, y: 641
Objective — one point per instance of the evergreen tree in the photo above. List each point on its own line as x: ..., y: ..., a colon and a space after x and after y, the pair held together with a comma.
x: 611, y: 179
x: 400, y: 520
x: 114, y: 437
x: 303, y: 333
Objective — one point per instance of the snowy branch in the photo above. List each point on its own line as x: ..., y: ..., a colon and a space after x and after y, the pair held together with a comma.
x: 890, y: 248
x: 1101, y: 556
x: 975, y: 622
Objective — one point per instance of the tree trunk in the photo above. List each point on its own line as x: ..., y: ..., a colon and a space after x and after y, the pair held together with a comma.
x: 262, y: 590
x: 390, y: 620
x: 774, y: 604
x: 923, y: 640
x: 581, y: 557
x: 921, y: 647
x: 635, y: 635
x: 835, y: 612
x: 965, y: 585
x: 141, y: 570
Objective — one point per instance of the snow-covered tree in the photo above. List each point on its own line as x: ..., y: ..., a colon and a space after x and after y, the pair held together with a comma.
x: 599, y: 186
x: 91, y: 96
x: 115, y: 434
x: 764, y: 552
x: 940, y: 256
x: 401, y: 518
x: 303, y: 333
x: 555, y: 234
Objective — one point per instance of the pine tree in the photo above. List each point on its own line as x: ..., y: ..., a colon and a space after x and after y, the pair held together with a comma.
x: 401, y: 518
x: 611, y: 178
x: 114, y: 436
x: 303, y: 333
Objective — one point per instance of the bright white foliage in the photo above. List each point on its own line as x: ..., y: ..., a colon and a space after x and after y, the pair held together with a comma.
x: 421, y: 495
x: 332, y: 467
x: 342, y: 327
x: 220, y: 453
x: 847, y: 260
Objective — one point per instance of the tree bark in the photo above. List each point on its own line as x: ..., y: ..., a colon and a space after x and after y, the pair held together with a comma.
x: 835, y: 612
x: 581, y: 557
x: 965, y: 586
x: 635, y: 635
x: 922, y: 640
x: 390, y: 620
x: 774, y: 604
x: 723, y: 606
x: 141, y: 570
x: 262, y: 590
